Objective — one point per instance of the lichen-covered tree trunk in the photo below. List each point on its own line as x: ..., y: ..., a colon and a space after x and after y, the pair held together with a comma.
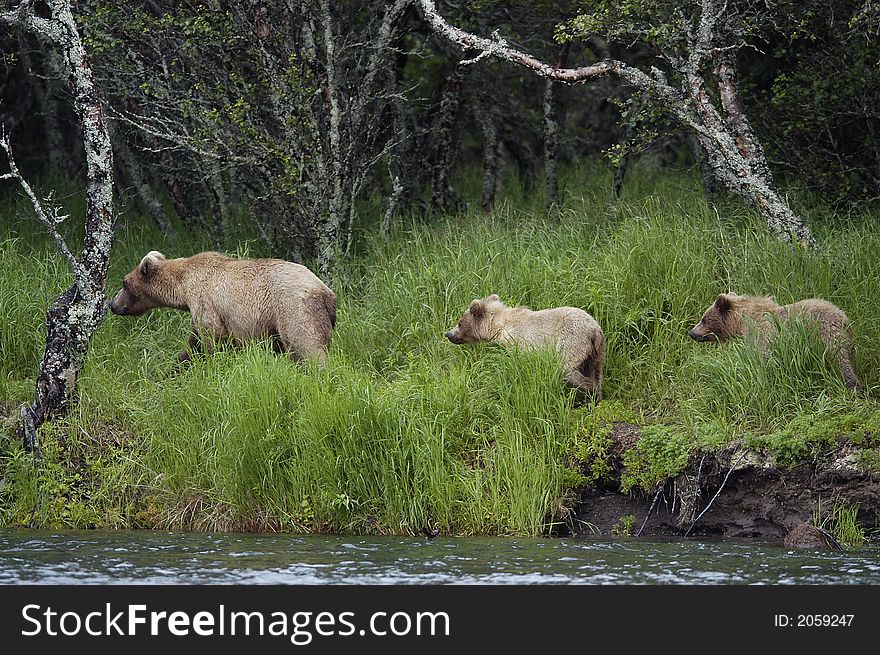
x: 75, y: 314
x: 489, y: 129
x: 551, y: 134
x: 336, y: 208
x: 444, y: 140
x: 737, y: 158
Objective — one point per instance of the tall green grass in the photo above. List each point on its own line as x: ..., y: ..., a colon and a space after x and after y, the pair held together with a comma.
x: 842, y: 522
x: 401, y: 430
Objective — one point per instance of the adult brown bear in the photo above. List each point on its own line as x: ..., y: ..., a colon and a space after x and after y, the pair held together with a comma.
x: 236, y: 300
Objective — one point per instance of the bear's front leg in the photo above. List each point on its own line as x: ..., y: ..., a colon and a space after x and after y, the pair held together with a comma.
x: 195, y: 346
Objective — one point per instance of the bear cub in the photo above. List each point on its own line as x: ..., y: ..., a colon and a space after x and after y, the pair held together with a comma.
x: 236, y: 300
x: 732, y: 315
x: 571, y: 332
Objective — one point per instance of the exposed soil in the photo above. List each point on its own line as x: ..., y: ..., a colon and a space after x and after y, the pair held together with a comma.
x: 757, y: 500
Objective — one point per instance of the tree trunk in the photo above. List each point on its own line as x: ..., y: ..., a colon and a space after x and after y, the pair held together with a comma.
x: 631, y: 120
x: 47, y: 103
x: 444, y: 141
x: 735, y: 117
x: 221, y: 229
x: 737, y: 158
x: 182, y: 206
x: 486, y: 118
x: 329, y: 225
x: 132, y: 169
x: 76, y: 314
x: 711, y: 186
x: 393, y: 205
x: 551, y: 134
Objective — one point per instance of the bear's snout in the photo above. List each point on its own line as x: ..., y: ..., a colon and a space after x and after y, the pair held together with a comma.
x: 451, y: 336
x: 117, y: 306
x: 696, y: 335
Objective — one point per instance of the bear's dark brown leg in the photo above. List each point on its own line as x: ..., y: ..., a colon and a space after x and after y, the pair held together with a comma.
x: 589, y: 388
x: 195, y: 346
x: 849, y: 375
x: 588, y: 375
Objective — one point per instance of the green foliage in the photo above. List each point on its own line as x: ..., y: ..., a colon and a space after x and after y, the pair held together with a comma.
x: 661, y: 453
x: 868, y: 460
x: 624, y: 526
x: 814, y: 105
x: 656, y: 22
x: 809, y: 435
x: 590, y: 450
x: 802, y: 439
x: 83, y: 481
x: 402, y: 429
x: 842, y: 522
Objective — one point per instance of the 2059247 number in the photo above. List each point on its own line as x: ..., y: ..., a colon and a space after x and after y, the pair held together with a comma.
x: 824, y: 620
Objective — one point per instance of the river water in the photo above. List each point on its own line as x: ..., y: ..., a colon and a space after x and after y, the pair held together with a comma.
x: 152, y: 557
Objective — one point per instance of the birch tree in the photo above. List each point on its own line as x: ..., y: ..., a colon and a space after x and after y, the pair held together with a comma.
x: 697, y: 42
x: 75, y: 314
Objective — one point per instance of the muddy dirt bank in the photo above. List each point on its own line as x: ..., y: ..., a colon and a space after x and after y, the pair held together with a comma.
x: 754, y: 497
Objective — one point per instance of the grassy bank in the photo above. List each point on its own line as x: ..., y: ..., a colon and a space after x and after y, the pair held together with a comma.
x: 402, y: 430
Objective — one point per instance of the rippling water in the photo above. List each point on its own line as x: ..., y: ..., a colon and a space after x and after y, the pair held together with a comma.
x: 144, y: 557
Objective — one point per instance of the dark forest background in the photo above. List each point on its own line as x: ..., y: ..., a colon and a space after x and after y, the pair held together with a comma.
x: 299, y: 111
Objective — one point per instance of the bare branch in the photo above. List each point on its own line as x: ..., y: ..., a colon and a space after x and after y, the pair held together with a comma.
x: 49, y: 216
x: 499, y: 48
x: 741, y: 170
x: 654, y: 84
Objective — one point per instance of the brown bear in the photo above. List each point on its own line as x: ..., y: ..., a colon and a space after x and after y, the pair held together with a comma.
x: 732, y: 315
x: 235, y: 300
x: 570, y: 331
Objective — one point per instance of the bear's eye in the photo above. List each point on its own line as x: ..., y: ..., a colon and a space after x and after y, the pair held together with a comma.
x: 125, y: 285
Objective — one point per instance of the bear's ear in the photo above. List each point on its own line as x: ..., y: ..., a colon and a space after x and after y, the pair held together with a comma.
x: 494, y: 296
x: 477, y: 309
x: 149, y: 264
x: 723, y: 303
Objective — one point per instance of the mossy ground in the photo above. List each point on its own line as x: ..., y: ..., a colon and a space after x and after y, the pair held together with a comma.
x: 402, y: 430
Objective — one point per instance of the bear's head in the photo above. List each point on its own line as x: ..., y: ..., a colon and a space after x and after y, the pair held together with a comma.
x: 140, y: 288
x: 720, y: 321
x: 477, y: 323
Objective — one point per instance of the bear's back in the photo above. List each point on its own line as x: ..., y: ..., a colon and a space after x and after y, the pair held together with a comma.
x: 831, y: 319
